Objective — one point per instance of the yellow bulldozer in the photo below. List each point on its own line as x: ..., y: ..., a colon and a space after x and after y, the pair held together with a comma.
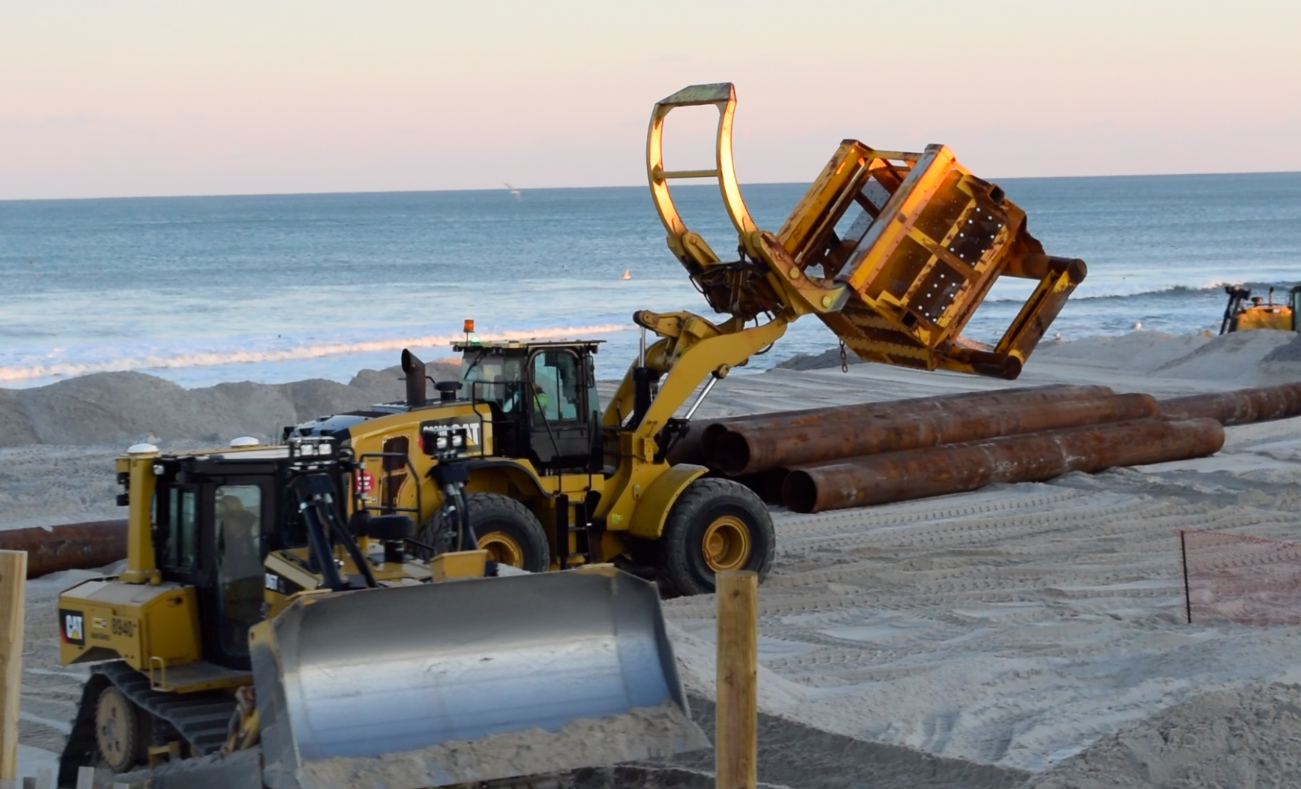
x: 324, y: 612
x: 1246, y: 312
x: 256, y: 638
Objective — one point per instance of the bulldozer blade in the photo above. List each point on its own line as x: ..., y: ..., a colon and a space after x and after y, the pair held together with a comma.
x: 466, y: 681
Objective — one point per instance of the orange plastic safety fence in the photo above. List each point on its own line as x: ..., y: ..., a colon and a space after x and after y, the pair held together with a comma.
x: 1249, y: 580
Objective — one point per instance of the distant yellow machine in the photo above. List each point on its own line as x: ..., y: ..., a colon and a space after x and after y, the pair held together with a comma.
x: 1260, y: 313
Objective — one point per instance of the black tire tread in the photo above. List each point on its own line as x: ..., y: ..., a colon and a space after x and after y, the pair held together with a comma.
x: 477, y: 502
x: 676, y: 575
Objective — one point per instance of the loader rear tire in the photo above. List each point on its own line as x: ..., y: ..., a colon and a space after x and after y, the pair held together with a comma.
x: 507, y: 529
x: 715, y: 525
x: 119, y: 730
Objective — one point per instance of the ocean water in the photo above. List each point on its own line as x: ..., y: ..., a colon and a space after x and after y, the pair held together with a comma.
x: 202, y: 290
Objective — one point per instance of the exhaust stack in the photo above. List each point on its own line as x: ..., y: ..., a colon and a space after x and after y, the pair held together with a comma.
x: 415, y: 373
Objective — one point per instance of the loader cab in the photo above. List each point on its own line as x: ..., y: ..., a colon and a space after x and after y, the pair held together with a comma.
x: 542, y: 396
x: 215, y: 518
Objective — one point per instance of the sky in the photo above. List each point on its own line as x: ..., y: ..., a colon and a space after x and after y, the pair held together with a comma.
x: 238, y: 97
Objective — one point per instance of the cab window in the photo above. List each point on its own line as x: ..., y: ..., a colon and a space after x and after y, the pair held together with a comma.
x: 238, y: 518
x: 239, y: 532
x: 493, y: 379
x: 181, y: 532
x: 479, y: 375
x: 557, y: 384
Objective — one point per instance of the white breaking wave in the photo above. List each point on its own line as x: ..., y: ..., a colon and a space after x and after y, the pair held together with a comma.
x: 155, y: 361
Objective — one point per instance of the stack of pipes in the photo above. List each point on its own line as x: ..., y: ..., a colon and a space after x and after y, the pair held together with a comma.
x: 874, y: 453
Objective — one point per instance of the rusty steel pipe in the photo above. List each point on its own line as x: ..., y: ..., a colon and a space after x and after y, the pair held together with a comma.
x: 691, y: 448
x: 1033, y: 457
x: 840, y: 413
x: 755, y: 482
x: 774, y: 481
x: 1239, y: 407
x: 688, y: 449
x: 72, y: 546
x: 768, y: 484
x: 836, y: 416
x: 746, y: 449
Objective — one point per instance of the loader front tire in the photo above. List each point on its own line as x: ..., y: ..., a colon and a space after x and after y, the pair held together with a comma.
x: 715, y: 525
x: 119, y: 730
x: 503, y: 526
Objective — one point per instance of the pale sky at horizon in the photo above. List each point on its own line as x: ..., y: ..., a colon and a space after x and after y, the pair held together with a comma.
x: 172, y: 98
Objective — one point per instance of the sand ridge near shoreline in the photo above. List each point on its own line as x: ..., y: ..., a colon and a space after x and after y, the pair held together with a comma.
x: 1033, y: 629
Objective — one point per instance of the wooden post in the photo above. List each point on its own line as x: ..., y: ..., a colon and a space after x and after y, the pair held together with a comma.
x: 13, y: 591
x: 736, y: 740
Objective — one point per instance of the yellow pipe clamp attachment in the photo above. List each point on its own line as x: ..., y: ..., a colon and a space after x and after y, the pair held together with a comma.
x: 684, y: 242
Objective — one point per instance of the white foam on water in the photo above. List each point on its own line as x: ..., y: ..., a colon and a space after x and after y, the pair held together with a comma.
x: 314, y: 351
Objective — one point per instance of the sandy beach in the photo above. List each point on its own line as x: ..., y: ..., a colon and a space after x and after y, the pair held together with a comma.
x: 1027, y: 635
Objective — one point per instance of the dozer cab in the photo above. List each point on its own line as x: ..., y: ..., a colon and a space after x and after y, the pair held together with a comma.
x: 259, y: 638
x: 1246, y: 312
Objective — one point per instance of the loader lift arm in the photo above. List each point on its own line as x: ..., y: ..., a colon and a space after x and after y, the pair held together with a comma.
x: 893, y: 251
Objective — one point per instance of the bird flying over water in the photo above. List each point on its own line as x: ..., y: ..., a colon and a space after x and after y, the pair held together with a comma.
x: 513, y: 191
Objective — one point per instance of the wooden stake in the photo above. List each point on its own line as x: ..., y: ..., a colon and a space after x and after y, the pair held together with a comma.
x: 13, y: 590
x: 736, y: 740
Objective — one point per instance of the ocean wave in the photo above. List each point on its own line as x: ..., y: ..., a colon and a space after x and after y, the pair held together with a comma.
x: 164, y: 361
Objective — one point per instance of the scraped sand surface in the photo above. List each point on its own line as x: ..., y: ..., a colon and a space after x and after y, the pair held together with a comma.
x: 1022, y: 635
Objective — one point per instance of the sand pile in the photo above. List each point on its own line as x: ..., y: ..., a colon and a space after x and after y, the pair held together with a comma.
x: 114, y: 407
x: 1233, y: 358
x: 1237, y: 360
x: 57, y: 442
x: 1246, y: 738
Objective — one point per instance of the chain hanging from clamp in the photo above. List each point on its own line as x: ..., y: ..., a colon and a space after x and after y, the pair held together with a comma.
x: 844, y: 360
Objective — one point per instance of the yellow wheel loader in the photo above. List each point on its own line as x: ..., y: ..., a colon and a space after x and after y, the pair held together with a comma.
x: 1248, y: 313
x: 338, y: 648
x: 259, y: 639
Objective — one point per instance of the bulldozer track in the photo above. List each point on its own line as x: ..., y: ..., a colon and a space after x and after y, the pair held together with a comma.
x: 199, y: 718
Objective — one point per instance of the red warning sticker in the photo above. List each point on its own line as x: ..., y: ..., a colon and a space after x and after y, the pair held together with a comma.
x: 364, y: 482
